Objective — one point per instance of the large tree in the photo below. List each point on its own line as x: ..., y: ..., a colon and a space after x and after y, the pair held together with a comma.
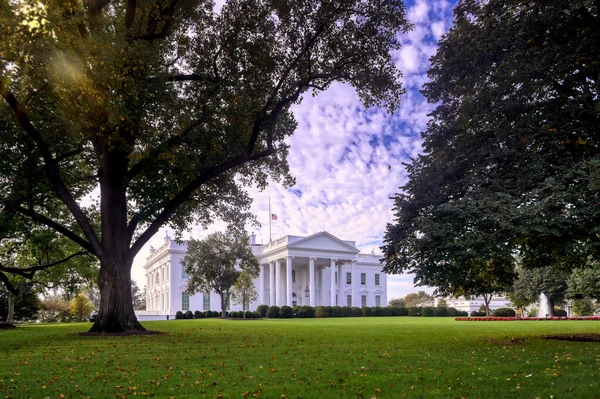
x: 244, y: 292
x: 215, y: 264
x: 169, y: 110
x: 512, y: 162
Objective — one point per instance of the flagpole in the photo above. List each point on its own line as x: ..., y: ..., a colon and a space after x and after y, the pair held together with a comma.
x: 270, y: 217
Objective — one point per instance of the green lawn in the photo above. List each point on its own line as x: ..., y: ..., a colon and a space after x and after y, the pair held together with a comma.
x: 383, y: 357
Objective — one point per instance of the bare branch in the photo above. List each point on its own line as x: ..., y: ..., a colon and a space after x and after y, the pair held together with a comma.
x: 30, y: 271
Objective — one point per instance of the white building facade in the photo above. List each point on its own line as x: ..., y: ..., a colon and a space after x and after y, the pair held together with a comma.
x: 317, y: 270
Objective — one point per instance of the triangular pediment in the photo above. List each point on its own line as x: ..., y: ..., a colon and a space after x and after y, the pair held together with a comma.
x: 325, y: 242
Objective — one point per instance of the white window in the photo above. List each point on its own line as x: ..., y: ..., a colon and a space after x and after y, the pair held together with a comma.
x: 363, y: 279
x: 363, y: 301
x: 293, y: 276
x: 294, y: 303
x: 205, y: 301
x: 377, y: 280
x: 377, y: 300
x: 348, y: 299
x: 348, y: 278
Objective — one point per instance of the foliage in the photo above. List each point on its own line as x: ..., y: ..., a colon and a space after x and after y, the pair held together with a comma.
x: 305, y: 312
x: 427, y: 311
x: 179, y: 315
x: 170, y: 109
x: 54, y: 309
x: 243, y: 292
x: 321, y: 312
x: 583, y: 307
x: 356, y: 311
x: 273, y: 312
x: 80, y: 307
x: 397, y: 302
x: 413, y: 311
x: 262, y: 310
x: 215, y: 264
x: 417, y: 299
x: 347, y: 311
x: 198, y: 315
x: 138, y: 296
x: 584, y: 283
x: 441, y: 311
x: 286, y: 312
x: 530, y: 283
x: 511, y: 160
x: 559, y: 312
x: 26, y: 305
x: 505, y: 312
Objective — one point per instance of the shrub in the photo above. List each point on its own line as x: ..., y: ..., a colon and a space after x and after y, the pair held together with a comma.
x: 262, y: 310
x: 357, y: 312
x: 198, y: 314
x: 387, y: 311
x: 583, y: 307
x: 189, y: 314
x: 347, y: 311
x: 452, y: 312
x: 273, y: 312
x: 413, y: 311
x: 441, y: 311
x: 377, y: 311
x: 560, y: 313
x: 286, y: 312
x: 338, y: 311
x: 462, y: 313
x: 533, y: 312
x: 504, y: 312
x: 306, y: 312
x: 477, y: 314
x: 427, y: 311
x: 367, y: 312
x: 329, y: 310
x: 321, y: 311
x: 179, y: 315
x: 255, y: 315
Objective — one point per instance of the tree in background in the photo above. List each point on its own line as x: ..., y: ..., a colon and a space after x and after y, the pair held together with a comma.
x: 511, y: 159
x: 583, y: 307
x: 397, y: 302
x: 139, y: 296
x: 531, y: 283
x: 216, y: 262
x: 54, y: 309
x: 417, y: 299
x: 170, y: 109
x: 584, y: 283
x: 81, y: 307
x: 243, y: 292
x: 24, y: 307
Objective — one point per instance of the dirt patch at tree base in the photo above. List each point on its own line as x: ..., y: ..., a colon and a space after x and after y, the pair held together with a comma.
x: 120, y: 334
x: 5, y: 326
x: 575, y: 337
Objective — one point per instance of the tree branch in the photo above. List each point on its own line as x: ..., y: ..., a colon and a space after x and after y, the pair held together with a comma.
x: 52, y: 171
x: 130, y: 13
x: 4, y: 278
x: 29, y: 272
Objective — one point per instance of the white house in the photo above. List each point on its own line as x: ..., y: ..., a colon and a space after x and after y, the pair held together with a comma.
x: 316, y: 270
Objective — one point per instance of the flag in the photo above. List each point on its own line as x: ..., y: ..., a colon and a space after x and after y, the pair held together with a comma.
x: 273, y: 216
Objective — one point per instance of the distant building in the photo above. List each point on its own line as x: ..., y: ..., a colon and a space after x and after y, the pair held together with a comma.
x: 473, y: 304
x: 319, y: 269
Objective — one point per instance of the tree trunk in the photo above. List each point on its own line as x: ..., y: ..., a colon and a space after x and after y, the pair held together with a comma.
x: 10, y: 316
x: 224, y: 305
x: 116, y: 313
x: 487, y: 298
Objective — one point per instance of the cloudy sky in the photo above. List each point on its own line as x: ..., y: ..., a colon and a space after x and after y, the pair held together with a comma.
x: 347, y: 160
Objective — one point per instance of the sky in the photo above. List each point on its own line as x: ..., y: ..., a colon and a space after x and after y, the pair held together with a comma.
x: 347, y: 160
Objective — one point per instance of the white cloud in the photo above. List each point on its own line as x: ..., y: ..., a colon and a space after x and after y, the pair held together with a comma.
x: 347, y: 160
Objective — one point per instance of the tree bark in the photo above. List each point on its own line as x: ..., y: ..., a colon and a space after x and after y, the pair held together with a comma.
x: 10, y: 316
x: 116, y: 313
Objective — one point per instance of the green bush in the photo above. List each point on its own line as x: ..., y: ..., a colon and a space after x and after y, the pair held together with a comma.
x: 462, y: 313
x: 286, y: 312
x: 560, y: 313
x: 347, y: 311
x: 306, y: 312
x: 273, y: 312
x: 338, y: 311
x: 377, y: 311
x: 262, y: 310
x: 414, y: 311
x: 533, y: 312
x: 179, y: 315
x: 367, y: 312
x: 255, y: 315
x: 198, y: 314
x: 452, y: 312
x: 441, y: 311
x: 504, y: 312
x: 387, y: 311
x: 477, y: 314
x: 583, y: 307
x: 427, y: 311
x: 321, y: 311
x: 356, y: 311
x: 329, y: 310
x: 189, y: 314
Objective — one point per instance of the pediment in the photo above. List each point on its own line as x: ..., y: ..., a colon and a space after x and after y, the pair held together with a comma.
x: 325, y: 242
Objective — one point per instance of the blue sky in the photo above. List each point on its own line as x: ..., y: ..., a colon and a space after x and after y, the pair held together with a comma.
x: 347, y: 160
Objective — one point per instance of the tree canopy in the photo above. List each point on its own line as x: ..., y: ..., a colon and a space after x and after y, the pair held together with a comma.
x: 512, y: 158
x: 122, y: 117
x: 216, y: 262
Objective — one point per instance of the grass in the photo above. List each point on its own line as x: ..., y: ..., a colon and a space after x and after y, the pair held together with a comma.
x: 384, y: 357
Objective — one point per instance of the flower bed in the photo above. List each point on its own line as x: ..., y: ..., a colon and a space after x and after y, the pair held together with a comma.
x: 526, y: 318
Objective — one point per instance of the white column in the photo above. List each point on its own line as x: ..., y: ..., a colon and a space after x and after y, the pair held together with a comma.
x: 271, y: 283
x: 311, y: 279
x: 341, y: 297
x: 261, y: 284
x: 278, y: 284
x: 355, y: 301
x: 289, y: 280
x: 332, y: 282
